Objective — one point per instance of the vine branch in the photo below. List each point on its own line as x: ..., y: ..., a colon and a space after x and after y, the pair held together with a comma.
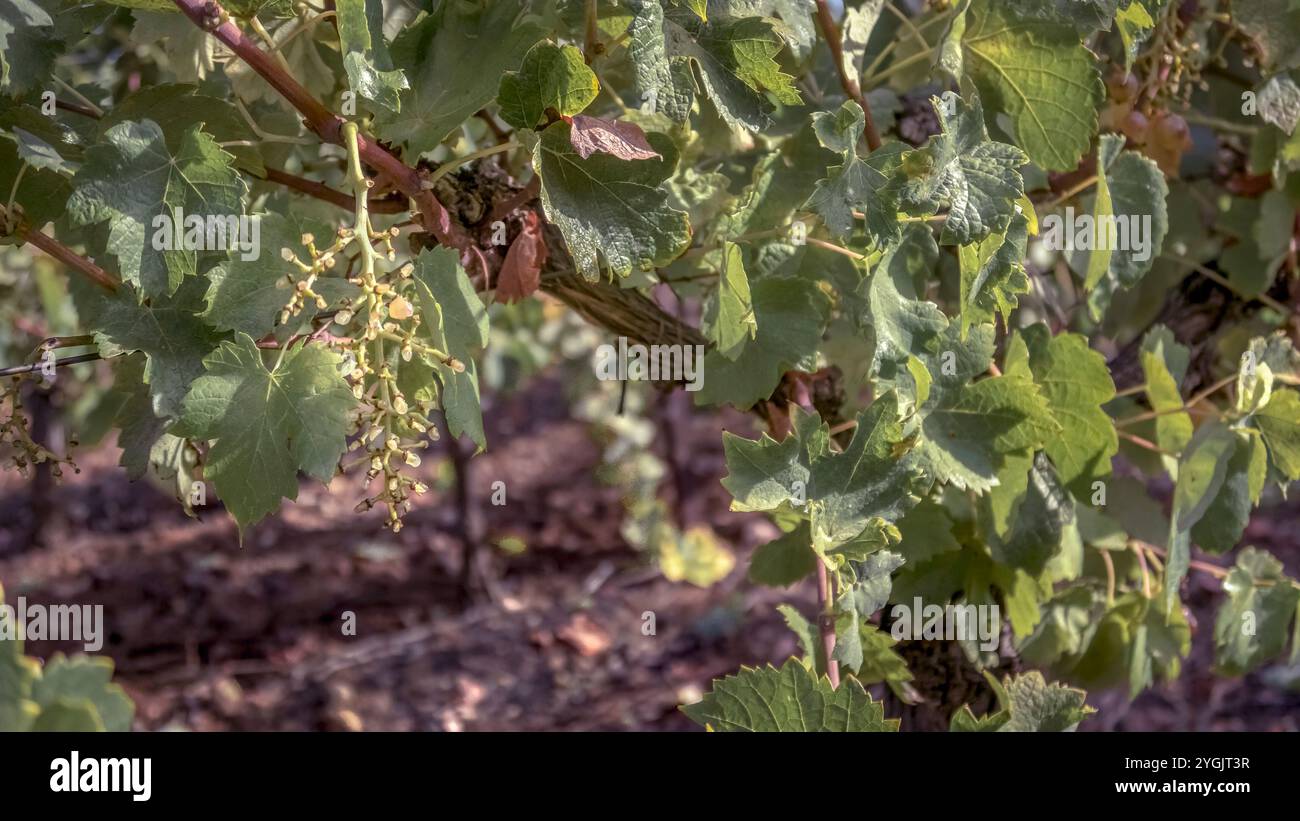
x: 69, y: 258
x: 378, y: 205
x: 212, y: 18
x: 826, y: 622
x: 831, y: 32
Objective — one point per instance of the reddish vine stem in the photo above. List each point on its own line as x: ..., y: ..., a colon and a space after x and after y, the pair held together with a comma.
x: 826, y: 622
x: 70, y: 258
x: 212, y: 18
x: 831, y: 32
x: 76, y: 108
x: 591, y: 46
x: 377, y: 205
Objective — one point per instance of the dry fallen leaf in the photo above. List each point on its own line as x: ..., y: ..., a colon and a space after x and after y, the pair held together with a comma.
x: 584, y: 635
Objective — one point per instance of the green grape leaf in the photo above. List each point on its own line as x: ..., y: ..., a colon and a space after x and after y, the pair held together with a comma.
x: 1253, y: 622
x: 611, y: 208
x: 1040, y: 76
x: 1279, y: 425
x: 131, y: 179
x: 17, y: 675
x: 43, y: 189
x: 785, y: 560
x: 1087, y: 16
x: 926, y: 532
x: 1075, y: 381
x: 1135, y: 25
x: 170, y: 334
x: 799, y: 30
x: 732, y: 323
x: 738, y: 67
x: 843, y: 494
x: 88, y: 680
x: 1035, y: 706
x: 1164, y: 363
x: 993, y: 275
x: 735, y: 56
x: 267, y: 423
x: 814, y: 658
x: 902, y: 325
x: 178, y: 107
x: 28, y: 46
x: 881, y: 662
x: 1202, y: 471
x: 1118, y: 243
x: 871, y: 479
x: 1039, y: 511
x: 366, y: 60
x: 68, y: 716
x: 857, y: 601
x: 782, y: 182
x: 146, y: 445
x: 977, y: 178
x: 455, y: 321
x: 39, y: 154
x: 1068, y: 620
x: 454, y: 60
x: 551, y: 77
x: 791, y: 314
x: 792, y: 699
x: 663, y: 80
x: 968, y: 427
x: 856, y: 31
x: 1225, y: 520
x: 856, y: 183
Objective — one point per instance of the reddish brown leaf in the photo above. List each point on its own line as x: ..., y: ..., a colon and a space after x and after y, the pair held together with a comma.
x: 521, y: 272
x: 624, y: 140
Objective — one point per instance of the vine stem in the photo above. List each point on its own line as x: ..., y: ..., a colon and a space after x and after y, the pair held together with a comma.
x: 212, y: 18
x: 18, y: 370
x: 906, y: 62
x: 1110, y: 577
x: 1145, y: 444
x: 831, y: 32
x: 826, y: 622
x: 95, y: 111
x: 70, y: 258
x: 1187, y: 407
x: 1190, y: 407
x: 378, y: 205
x: 1224, y: 282
x: 1204, y: 567
x: 1070, y: 193
x: 591, y: 45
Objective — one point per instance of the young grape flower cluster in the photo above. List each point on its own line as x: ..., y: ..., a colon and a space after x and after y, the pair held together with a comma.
x: 16, y: 437
x: 379, y: 332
